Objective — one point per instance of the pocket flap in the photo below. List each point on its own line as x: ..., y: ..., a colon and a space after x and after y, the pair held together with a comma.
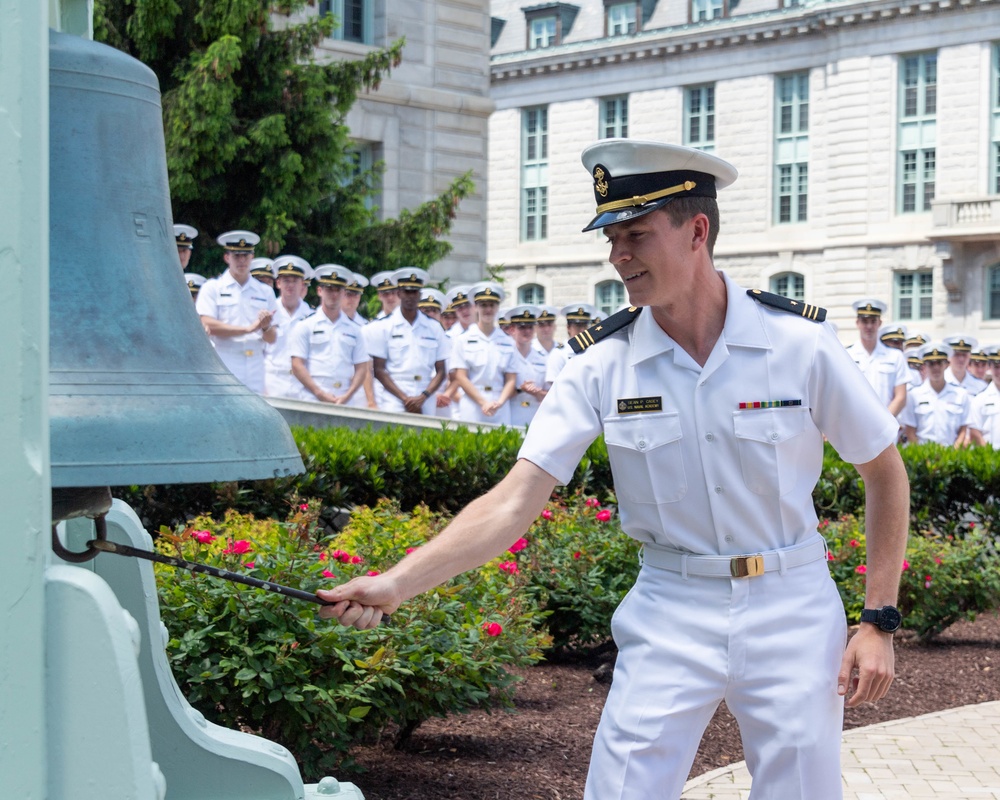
x: 770, y: 425
x: 644, y: 432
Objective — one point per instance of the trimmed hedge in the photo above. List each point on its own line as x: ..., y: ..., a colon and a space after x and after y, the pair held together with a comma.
x: 446, y: 469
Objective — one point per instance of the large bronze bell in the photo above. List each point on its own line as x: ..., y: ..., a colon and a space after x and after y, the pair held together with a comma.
x: 137, y: 394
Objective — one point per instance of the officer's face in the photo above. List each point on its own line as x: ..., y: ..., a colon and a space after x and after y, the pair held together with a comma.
x: 935, y: 369
x: 978, y: 368
x: 290, y: 286
x: 239, y: 264
x: 654, y: 257
x: 184, y: 254
x: 960, y: 360
x: 487, y: 310
x: 329, y: 297
x: 545, y: 330
x: 389, y: 299
x: 409, y: 299
x: 465, y: 313
x: 349, y: 301
x: 524, y: 332
x: 868, y: 327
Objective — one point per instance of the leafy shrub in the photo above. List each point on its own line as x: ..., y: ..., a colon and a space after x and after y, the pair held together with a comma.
x: 944, y: 578
x: 582, y: 565
x: 250, y: 658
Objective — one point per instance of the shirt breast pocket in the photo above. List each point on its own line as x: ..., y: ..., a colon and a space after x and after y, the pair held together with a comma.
x: 229, y: 309
x: 770, y: 445
x: 645, y: 455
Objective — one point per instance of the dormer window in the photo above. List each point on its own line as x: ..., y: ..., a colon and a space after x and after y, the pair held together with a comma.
x: 621, y: 19
x: 549, y: 24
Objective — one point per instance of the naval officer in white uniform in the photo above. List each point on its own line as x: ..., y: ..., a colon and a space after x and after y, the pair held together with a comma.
x: 237, y: 310
x: 713, y: 402
x: 290, y: 274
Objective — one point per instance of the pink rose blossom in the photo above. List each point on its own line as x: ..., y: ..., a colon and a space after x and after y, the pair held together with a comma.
x: 927, y: 581
x: 322, y: 556
x: 577, y: 555
x: 492, y: 628
x: 304, y: 507
x: 508, y: 566
x: 906, y: 565
x: 937, y: 560
x: 328, y: 574
x: 592, y: 502
x: 249, y: 565
x: 203, y: 536
x: 829, y: 556
x: 372, y: 573
x: 603, y: 515
x: 547, y: 514
x: 519, y: 545
x: 356, y: 560
x: 861, y: 568
x: 854, y: 543
x: 239, y: 547
x: 410, y: 550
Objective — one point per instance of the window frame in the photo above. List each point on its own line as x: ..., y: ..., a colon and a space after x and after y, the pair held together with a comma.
x: 706, y: 94
x: 916, y: 127
x: 797, y: 279
x: 619, y: 124
x: 534, y: 174
x: 367, y: 21
x: 697, y: 6
x: 527, y: 292
x: 994, y: 186
x: 791, y: 148
x: 636, y: 22
x: 618, y: 288
x: 921, y: 288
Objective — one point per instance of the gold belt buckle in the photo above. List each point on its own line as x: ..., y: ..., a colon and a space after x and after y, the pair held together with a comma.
x: 746, y: 566
x: 248, y: 353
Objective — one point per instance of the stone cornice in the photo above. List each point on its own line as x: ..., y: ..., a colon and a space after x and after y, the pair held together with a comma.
x: 783, y: 24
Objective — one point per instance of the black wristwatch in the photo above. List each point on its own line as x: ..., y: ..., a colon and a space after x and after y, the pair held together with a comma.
x: 887, y: 618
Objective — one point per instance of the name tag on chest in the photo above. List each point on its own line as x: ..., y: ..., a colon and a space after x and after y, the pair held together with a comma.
x: 636, y: 405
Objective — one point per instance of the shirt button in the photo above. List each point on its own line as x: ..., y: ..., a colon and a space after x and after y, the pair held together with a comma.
x: 642, y: 444
x: 729, y: 539
x: 774, y: 437
x: 718, y: 490
x: 709, y: 437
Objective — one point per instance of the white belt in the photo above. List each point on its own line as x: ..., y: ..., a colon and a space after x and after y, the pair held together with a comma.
x: 747, y: 566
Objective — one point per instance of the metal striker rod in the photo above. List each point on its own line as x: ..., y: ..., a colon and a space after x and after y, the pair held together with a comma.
x: 127, y: 550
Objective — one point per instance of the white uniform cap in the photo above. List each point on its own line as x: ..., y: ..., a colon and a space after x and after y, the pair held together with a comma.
x: 432, y: 298
x: 458, y: 296
x: 548, y: 313
x: 262, y: 266
x: 357, y: 282
x: 892, y: 331
x: 524, y: 313
x: 410, y: 277
x: 634, y: 177
x: 935, y: 351
x: 580, y: 312
x: 292, y: 265
x: 194, y: 281
x: 869, y: 307
x: 184, y: 234
x: 382, y: 281
x: 333, y: 275
x: 960, y: 343
x: 238, y: 241
x: 488, y: 290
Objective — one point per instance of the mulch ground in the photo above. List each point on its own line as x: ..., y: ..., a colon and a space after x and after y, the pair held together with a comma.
x: 540, y: 751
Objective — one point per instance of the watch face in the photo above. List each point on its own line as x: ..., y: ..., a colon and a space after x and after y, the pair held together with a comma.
x: 889, y: 619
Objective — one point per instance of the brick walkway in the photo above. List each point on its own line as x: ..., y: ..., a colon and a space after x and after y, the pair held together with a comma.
x: 950, y: 755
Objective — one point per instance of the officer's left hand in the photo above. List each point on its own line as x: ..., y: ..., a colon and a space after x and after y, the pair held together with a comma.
x: 870, y: 653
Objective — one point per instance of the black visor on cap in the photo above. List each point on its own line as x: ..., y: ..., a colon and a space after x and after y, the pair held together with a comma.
x: 625, y: 198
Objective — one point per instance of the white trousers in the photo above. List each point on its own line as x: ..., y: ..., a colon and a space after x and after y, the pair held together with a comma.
x: 770, y: 646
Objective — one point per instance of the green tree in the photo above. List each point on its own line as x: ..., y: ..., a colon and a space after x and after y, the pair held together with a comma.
x: 255, y: 132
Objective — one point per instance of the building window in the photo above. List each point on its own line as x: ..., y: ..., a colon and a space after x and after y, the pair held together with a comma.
x: 364, y: 157
x: 917, y: 119
x: 791, y: 148
x: 609, y: 296
x: 355, y: 19
x: 699, y: 117
x: 789, y: 284
x: 614, y: 118
x: 791, y: 3
x: 995, y: 114
x: 621, y: 18
x: 702, y: 10
x: 914, y: 296
x: 534, y: 173
x: 541, y: 32
x: 531, y: 294
x: 992, y: 310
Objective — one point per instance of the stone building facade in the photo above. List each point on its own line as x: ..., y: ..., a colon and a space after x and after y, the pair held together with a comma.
x: 867, y: 136
x: 428, y: 121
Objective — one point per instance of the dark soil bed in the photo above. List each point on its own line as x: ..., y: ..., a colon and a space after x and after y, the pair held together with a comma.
x: 540, y: 751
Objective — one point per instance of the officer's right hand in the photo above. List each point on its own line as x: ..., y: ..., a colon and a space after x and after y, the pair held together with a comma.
x: 360, y: 602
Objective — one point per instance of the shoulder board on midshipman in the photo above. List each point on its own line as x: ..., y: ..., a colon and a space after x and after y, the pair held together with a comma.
x: 603, y: 329
x: 815, y: 313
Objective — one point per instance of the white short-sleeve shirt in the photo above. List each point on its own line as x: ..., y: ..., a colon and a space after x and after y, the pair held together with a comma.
x: 885, y: 368
x: 984, y: 415
x: 330, y: 349
x: 410, y: 351
x: 937, y: 416
x: 696, y: 466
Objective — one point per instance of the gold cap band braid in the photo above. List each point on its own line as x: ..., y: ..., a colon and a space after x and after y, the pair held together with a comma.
x: 642, y: 199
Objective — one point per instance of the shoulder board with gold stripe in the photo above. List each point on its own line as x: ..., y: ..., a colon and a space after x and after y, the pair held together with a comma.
x: 603, y: 329
x: 815, y: 313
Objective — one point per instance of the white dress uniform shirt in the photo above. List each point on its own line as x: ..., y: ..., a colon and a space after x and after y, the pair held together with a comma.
x: 410, y: 353
x: 970, y: 382
x: 331, y: 350
x: 530, y: 368
x: 558, y: 356
x: 984, y: 415
x: 278, y: 378
x: 225, y: 300
x: 937, y: 417
x: 885, y: 368
x: 486, y: 359
x: 696, y: 472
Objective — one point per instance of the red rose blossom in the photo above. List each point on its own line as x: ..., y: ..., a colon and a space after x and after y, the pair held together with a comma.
x: 519, y: 545
x: 492, y: 628
x: 603, y: 515
x: 203, y: 536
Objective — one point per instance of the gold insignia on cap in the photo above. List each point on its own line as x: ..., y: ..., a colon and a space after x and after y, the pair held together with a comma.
x: 600, y: 185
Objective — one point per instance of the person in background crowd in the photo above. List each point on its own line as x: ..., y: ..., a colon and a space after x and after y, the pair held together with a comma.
x: 993, y: 362
x: 328, y: 353
x: 460, y: 301
x: 984, y: 417
x: 263, y: 270
x: 883, y: 367
x: 431, y: 303
x: 979, y: 365
x: 915, y: 339
x: 713, y: 402
x: 448, y: 317
x: 350, y: 299
x: 545, y: 329
x: 483, y: 361
x: 185, y: 235
x: 388, y: 293
x: 503, y: 320
x: 529, y: 363
x: 408, y: 350
x: 893, y: 335
x: 194, y: 282
x: 962, y: 347
x: 918, y: 372
x: 237, y: 311
x: 938, y: 409
x: 289, y: 273
x: 579, y: 317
